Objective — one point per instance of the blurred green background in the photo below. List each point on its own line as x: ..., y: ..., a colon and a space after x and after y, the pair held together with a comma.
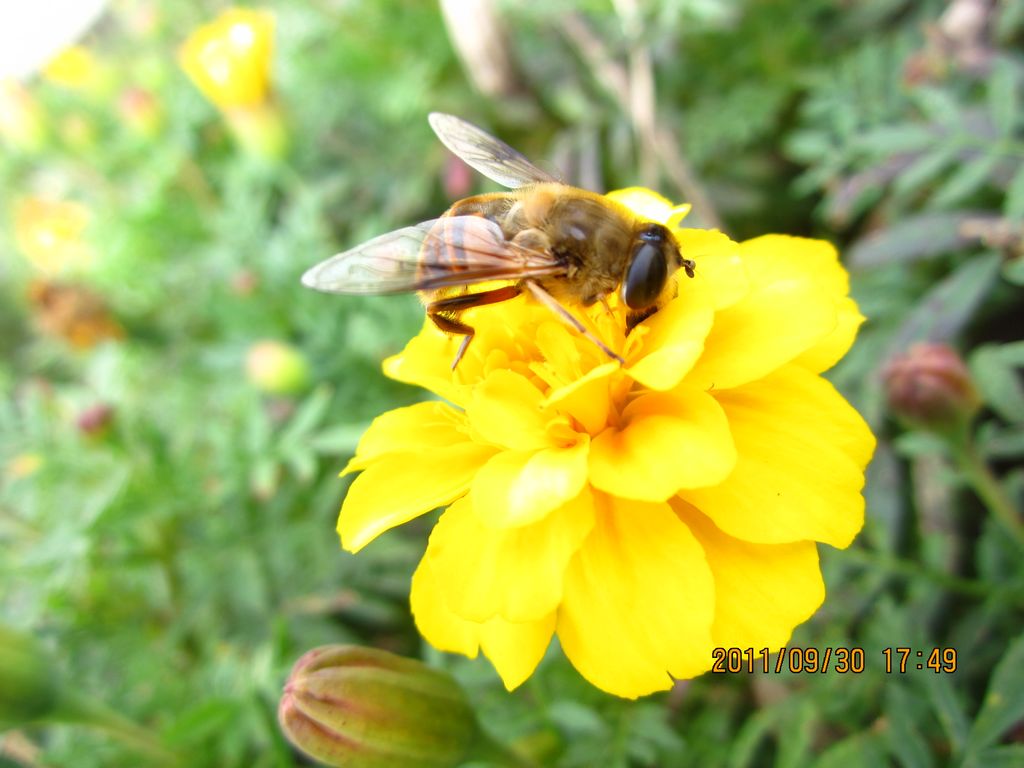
x: 175, y: 405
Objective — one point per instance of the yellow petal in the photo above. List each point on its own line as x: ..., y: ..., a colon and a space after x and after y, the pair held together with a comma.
x: 720, y: 276
x: 802, y: 451
x: 515, y: 573
x: 672, y: 342
x: 520, y: 487
x: 515, y: 649
x: 650, y: 205
x: 435, y: 621
x: 426, y: 362
x: 419, y: 427
x: 506, y: 410
x: 762, y: 591
x: 791, y: 306
x: 587, y: 399
x: 639, y: 601
x: 400, y: 486
x: 831, y: 349
x: 668, y: 441
x: 819, y: 260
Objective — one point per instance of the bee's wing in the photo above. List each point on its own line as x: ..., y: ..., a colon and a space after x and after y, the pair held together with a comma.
x: 445, y: 252
x: 490, y: 156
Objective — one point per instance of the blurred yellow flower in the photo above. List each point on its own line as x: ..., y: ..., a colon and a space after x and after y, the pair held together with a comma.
x: 74, y: 67
x: 229, y: 58
x: 645, y: 513
x: 50, y: 234
x: 21, y: 118
x: 23, y: 465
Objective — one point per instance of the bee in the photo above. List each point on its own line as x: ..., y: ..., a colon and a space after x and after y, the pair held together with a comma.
x: 561, y: 244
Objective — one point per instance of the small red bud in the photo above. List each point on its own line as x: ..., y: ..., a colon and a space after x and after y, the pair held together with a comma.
x: 930, y: 386
x: 95, y: 420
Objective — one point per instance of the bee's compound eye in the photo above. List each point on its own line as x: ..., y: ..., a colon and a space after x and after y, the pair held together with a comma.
x: 645, y: 276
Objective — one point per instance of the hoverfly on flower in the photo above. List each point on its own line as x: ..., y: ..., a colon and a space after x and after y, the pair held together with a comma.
x: 560, y: 243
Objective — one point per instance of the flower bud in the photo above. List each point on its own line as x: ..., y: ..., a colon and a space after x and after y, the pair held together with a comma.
x: 366, y: 708
x: 141, y: 112
x: 29, y: 687
x: 95, y: 420
x: 277, y: 368
x: 930, y: 386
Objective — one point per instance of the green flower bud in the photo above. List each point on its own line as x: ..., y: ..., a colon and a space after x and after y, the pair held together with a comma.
x: 277, y: 368
x: 29, y: 686
x: 931, y: 387
x: 359, y: 707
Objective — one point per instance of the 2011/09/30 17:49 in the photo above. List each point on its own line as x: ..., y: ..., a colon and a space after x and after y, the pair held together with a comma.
x: 796, y: 660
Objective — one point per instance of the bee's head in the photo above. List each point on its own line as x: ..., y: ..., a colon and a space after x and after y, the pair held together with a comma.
x: 654, y: 257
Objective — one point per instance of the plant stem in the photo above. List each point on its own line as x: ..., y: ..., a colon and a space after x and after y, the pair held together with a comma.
x: 78, y: 709
x: 988, y: 488
x: 914, y: 570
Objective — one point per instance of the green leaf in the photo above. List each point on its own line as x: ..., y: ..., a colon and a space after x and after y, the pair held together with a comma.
x: 937, y: 104
x: 890, y: 139
x: 913, y: 238
x: 1013, y: 205
x: 944, y: 310
x: 1013, y: 353
x: 576, y: 719
x: 999, y: 442
x: 862, y: 750
x: 1011, y: 756
x: 995, y: 375
x: 948, y: 708
x: 796, y: 735
x: 1004, y: 701
x: 340, y: 440
x: 903, y: 737
x: 308, y: 416
x: 1013, y: 271
x: 927, y: 167
x: 808, y: 146
x: 746, y: 744
x: 967, y: 180
x: 1003, y: 96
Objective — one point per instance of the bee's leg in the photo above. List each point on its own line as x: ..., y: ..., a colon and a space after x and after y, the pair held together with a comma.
x: 551, y: 303
x: 444, y: 312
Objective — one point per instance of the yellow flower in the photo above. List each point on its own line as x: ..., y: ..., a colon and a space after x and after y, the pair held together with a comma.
x: 74, y: 67
x: 645, y: 513
x: 50, y: 234
x: 23, y: 465
x: 229, y: 58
